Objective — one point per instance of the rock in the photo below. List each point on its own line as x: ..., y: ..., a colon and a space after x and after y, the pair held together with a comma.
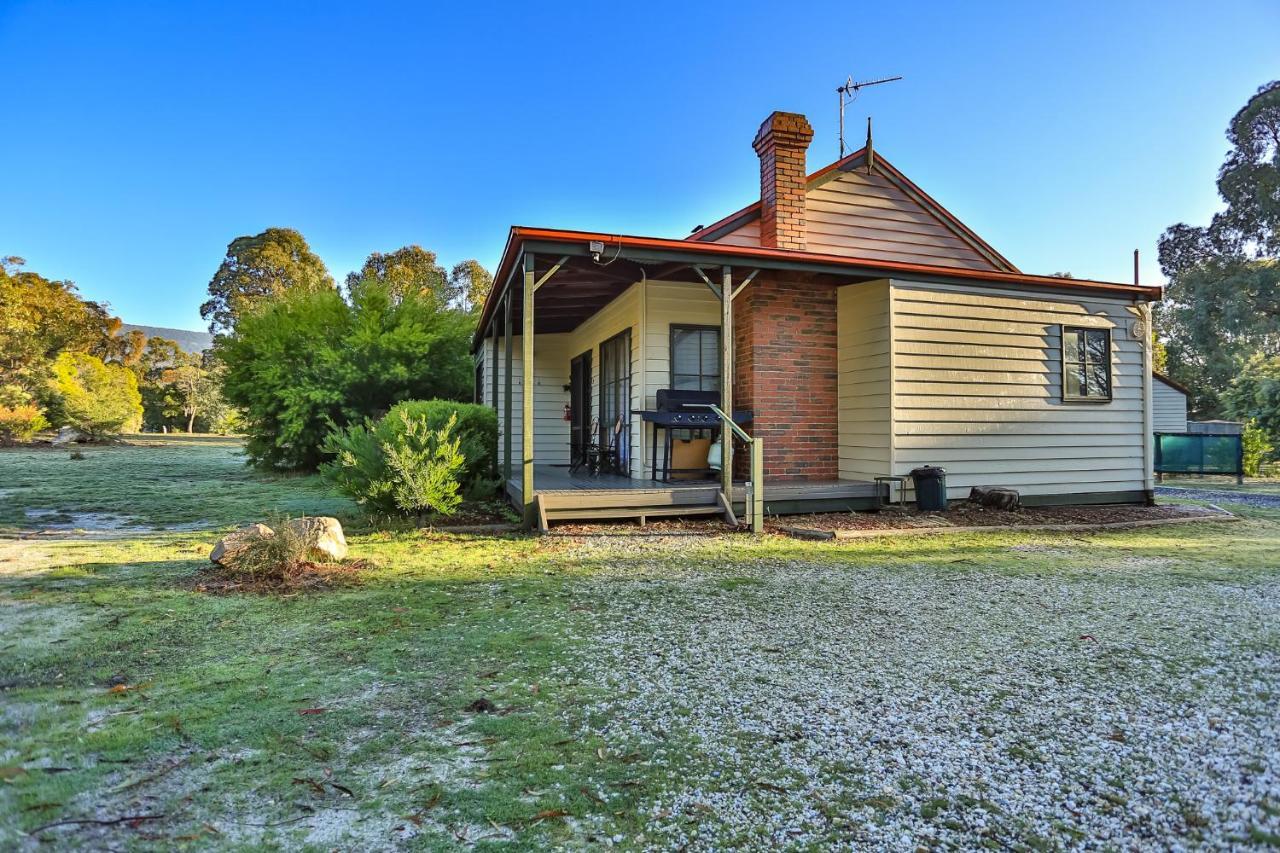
x: 67, y: 435
x: 230, y: 546
x: 996, y: 497
x: 323, y: 536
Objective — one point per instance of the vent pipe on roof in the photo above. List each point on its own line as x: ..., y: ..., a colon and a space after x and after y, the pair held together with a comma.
x: 871, y: 151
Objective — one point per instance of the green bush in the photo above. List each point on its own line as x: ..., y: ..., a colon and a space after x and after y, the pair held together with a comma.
x: 476, y: 430
x: 20, y: 417
x: 378, y: 464
x: 1257, y: 447
x: 97, y: 399
x: 303, y: 363
x: 424, y: 467
x: 20, y: 423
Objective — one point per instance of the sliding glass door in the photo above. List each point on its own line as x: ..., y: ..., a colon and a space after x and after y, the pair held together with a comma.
x: 615, y: 399
x: 580, y: 437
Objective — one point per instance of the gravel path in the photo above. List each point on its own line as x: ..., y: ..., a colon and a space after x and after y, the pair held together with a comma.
x: 799, y: 704
x: 1221, y: 496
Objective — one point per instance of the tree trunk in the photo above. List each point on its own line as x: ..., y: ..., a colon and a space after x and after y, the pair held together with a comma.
x: 191, y: 423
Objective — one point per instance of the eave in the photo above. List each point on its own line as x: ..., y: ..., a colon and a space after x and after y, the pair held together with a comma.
x: 656, y: 250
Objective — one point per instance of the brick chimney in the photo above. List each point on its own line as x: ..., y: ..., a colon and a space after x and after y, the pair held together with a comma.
x: 781, y: 144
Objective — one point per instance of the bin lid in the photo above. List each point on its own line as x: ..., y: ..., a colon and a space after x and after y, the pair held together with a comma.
x: 928, y: 471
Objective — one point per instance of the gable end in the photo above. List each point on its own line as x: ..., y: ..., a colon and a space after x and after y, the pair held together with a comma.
x: 877, y: 216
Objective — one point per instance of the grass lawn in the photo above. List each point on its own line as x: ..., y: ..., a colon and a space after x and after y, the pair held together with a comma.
x: 1256, y: 485
x: 1023, y: 691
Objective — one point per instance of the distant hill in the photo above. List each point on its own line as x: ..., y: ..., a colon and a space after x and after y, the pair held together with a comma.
x: 185, y: 338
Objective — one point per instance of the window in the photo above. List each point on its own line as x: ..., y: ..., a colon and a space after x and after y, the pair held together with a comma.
x: 479, y: 395
x: 695, y: 358
x: 1086, y: 365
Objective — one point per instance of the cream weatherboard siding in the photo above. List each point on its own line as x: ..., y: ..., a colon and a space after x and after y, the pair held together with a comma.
x: 551, y: 431
x: 864, y: 383
x: 978, y: 390
x: 869, y: 216
x: 747, y: 234
x: 1169, y: 407
x: 653, y: 306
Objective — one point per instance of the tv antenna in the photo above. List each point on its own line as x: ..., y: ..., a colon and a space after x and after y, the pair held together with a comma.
x: 848, y: 93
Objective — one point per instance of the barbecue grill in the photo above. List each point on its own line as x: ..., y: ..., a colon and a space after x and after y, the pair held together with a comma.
x: 682, y: 409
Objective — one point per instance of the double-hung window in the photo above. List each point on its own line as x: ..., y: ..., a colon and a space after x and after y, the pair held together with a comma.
x: 1086, y: 365
x: 695, y: 358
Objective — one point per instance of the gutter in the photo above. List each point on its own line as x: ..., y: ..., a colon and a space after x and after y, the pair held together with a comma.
x: 659, y: 249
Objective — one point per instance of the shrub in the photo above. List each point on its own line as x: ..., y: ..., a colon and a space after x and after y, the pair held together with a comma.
x: 1257, y: 446
x: 20, y: 423
x: 476, y: 430
x: 96, y: 398
x: 393, y: 465
x: 303, y: 363
x: 20, y: 417
x: 425, y: 465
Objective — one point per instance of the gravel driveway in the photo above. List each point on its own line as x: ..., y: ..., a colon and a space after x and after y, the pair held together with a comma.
x: 1064, y: 704
x: 1220, y: 496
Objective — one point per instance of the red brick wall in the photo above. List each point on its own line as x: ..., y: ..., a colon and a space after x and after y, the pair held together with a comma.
x: 781, y: 143
x: 786, y: 373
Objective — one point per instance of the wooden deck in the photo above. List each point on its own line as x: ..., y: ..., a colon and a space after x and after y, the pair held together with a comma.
x: 580, y: 496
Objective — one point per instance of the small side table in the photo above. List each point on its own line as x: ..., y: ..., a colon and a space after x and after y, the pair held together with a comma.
x: 887, y: 492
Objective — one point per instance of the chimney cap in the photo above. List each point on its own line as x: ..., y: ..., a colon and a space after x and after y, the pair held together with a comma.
x: 782, y: 128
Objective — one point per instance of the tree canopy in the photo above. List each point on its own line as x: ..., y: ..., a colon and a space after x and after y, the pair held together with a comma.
x: 1222, y: 305
x: 310, y: 361
x: 413, y: 269
x: 472, y: 283
x: 40, y: 318
x: 94, y: 397
x: 410, y: 269
x: 260, y: 266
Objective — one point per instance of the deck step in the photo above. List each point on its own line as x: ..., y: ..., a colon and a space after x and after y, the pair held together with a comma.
x: 604, y: 513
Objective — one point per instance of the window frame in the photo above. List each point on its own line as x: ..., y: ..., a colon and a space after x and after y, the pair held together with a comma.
x: 1064, y: 332
x: 625, y: 380
x: 673, y: 328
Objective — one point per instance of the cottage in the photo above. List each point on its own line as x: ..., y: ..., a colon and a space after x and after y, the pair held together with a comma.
x: 850, y: 327
x: 1169, y: 405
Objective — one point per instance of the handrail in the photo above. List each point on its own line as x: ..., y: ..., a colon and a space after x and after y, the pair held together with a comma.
x: 755, y: 496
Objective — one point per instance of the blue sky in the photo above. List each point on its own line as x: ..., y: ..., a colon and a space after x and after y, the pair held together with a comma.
x: 141, y: 138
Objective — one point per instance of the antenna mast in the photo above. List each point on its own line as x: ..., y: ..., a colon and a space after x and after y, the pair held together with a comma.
x: 848, y: 93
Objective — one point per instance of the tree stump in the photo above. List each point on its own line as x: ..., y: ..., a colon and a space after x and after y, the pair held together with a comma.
x: 996, y: 497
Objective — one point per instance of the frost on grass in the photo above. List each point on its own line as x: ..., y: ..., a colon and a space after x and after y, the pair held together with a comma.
x: 108, y: 525
x: 796, y: 703
x: 366, y: 791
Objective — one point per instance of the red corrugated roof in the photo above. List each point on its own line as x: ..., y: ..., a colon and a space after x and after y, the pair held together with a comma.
x: 723, y: 253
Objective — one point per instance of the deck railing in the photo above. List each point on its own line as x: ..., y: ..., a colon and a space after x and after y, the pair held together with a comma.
x: 754, y: 503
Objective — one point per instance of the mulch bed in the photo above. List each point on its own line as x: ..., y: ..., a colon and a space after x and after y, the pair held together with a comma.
x: 486, y: 514
x: 964, y: 515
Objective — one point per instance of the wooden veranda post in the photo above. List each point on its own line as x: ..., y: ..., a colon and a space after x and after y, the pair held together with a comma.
x: 526, y: 397
x: 726, y: 381
x: 506, y: 404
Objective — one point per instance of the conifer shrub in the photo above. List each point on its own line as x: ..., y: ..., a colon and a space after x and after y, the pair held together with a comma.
x: 422, y: 457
